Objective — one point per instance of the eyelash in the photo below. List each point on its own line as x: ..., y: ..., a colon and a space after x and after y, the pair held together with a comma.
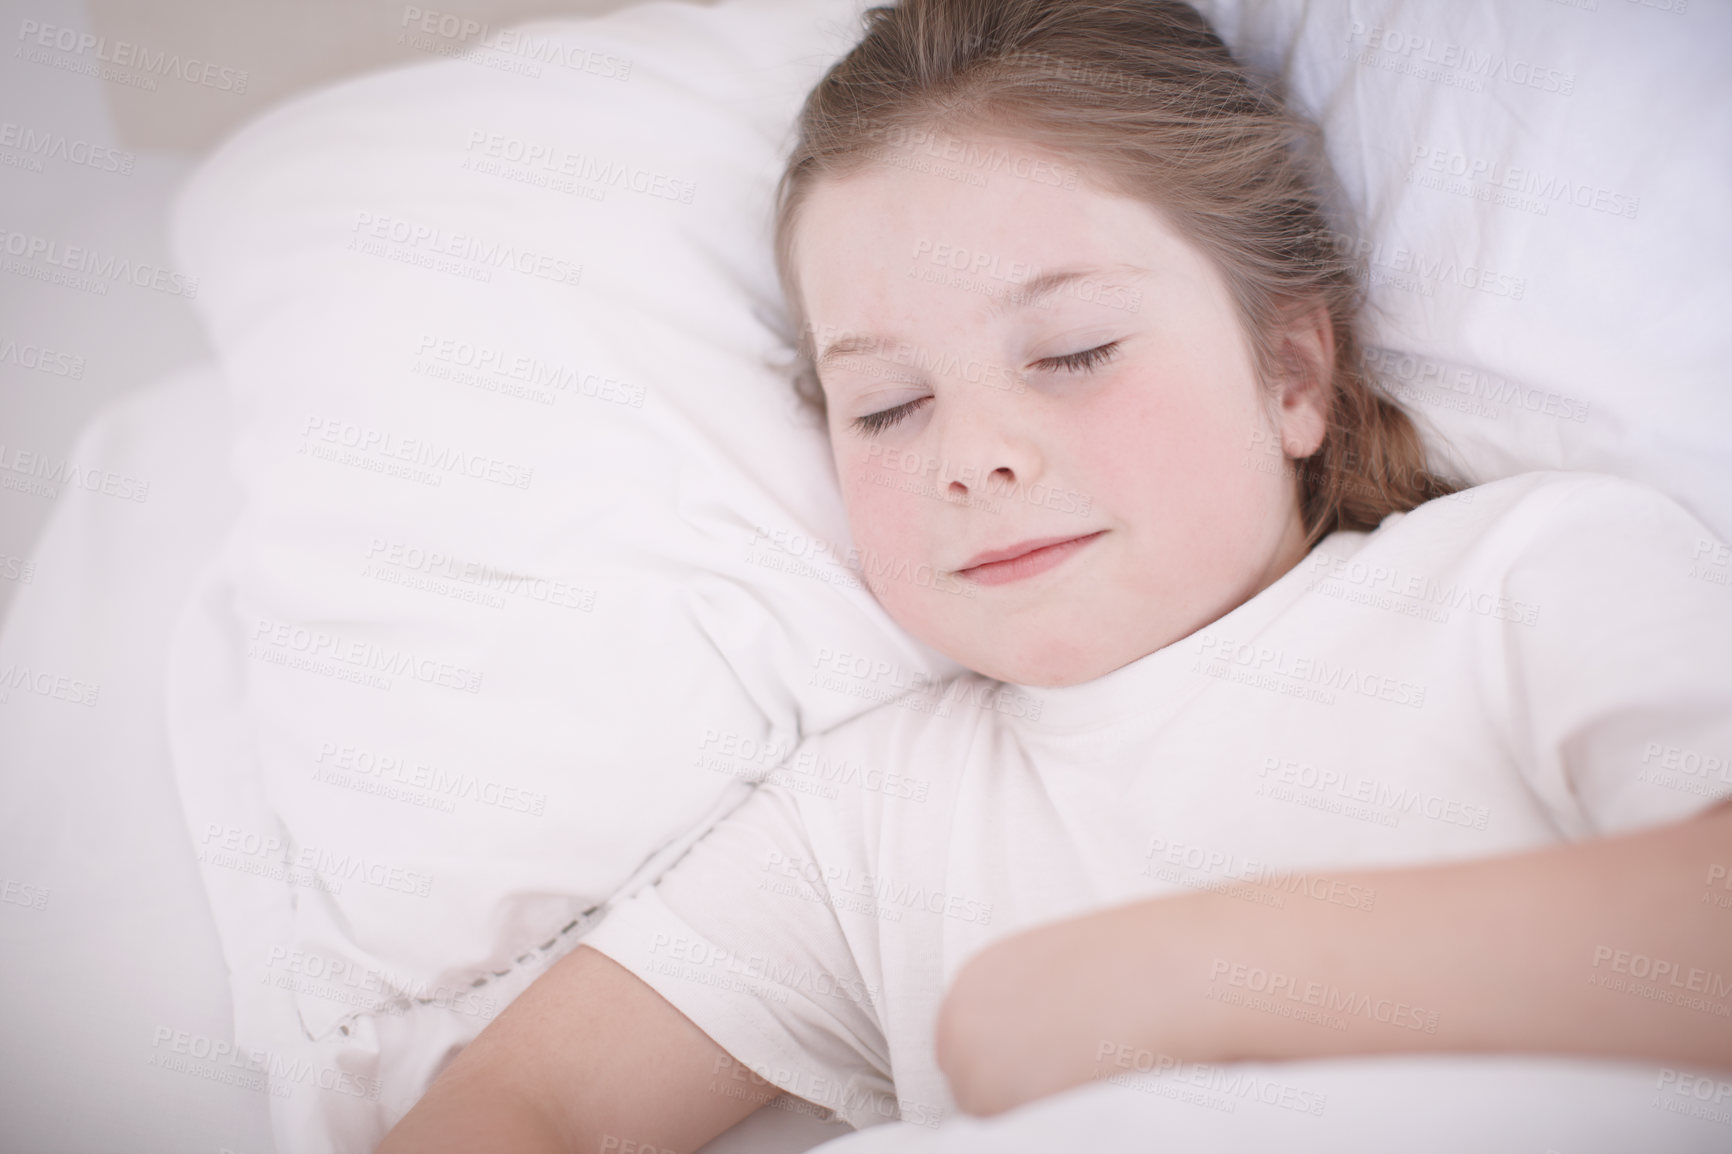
x: 1087, y: 359
x: 874, y: 423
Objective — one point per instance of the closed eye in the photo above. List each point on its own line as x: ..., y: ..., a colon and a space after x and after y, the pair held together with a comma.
x: 877, y: 422
x: 1083, y: 361
x: 873, y: 423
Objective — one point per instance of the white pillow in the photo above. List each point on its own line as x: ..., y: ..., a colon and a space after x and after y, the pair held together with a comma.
x: 540, y: 565
x: 641, y: 593
x: 1542, y: 190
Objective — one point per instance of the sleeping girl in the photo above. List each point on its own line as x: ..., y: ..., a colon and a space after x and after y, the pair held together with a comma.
x: 1276, y: 745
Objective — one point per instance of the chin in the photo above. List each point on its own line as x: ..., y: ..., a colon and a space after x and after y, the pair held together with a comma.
x: 1050, y: 666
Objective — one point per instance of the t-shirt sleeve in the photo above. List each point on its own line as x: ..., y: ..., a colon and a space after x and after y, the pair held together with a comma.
x: 761, y: 966
x: 1619, y: 663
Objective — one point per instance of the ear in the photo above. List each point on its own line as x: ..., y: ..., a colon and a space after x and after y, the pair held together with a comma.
x: 1305, y: 387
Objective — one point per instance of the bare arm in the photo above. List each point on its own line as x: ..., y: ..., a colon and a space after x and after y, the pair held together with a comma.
x: 586, y: 1054
x: 1615, y: 947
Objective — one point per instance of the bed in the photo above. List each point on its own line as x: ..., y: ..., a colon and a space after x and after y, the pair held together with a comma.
x: 298, y: 663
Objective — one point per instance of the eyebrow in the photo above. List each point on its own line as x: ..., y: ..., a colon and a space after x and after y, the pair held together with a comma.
x: 848, y: 346
x: 1037, y: 289
x: 1026, y: 296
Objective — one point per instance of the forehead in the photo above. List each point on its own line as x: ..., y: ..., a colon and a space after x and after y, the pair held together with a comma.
x: 892, y: 242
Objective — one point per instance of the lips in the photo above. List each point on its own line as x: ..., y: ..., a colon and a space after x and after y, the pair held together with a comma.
x: 1024, y: 558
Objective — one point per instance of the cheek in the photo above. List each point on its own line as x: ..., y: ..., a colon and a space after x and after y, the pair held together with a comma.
x: 884, y: 517
x: 875, y: 493
x: 1177, y: 457
x: 1168, y: 433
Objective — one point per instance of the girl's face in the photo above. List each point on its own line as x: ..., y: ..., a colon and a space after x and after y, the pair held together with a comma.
x: 1053, y: 447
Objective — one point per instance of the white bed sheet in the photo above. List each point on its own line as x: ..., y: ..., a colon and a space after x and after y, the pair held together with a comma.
x: 125, y: 946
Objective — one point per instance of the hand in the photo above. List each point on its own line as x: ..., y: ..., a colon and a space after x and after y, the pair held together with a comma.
x: 1031, y: 1014
x: 1000, y: 1036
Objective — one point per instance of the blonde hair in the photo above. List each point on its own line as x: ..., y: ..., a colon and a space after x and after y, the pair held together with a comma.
x: 1148, y: 100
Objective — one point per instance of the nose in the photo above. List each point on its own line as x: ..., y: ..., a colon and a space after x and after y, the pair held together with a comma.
x: 1002, y: 477
x: 985, y: 450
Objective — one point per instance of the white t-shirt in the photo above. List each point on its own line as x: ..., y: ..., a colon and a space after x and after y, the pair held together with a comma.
x: 1537, y: 660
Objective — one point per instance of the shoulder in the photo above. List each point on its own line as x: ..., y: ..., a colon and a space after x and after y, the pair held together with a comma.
x: 1552, y: 518
x: 1583, y: 496
x: 1579, y: 551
